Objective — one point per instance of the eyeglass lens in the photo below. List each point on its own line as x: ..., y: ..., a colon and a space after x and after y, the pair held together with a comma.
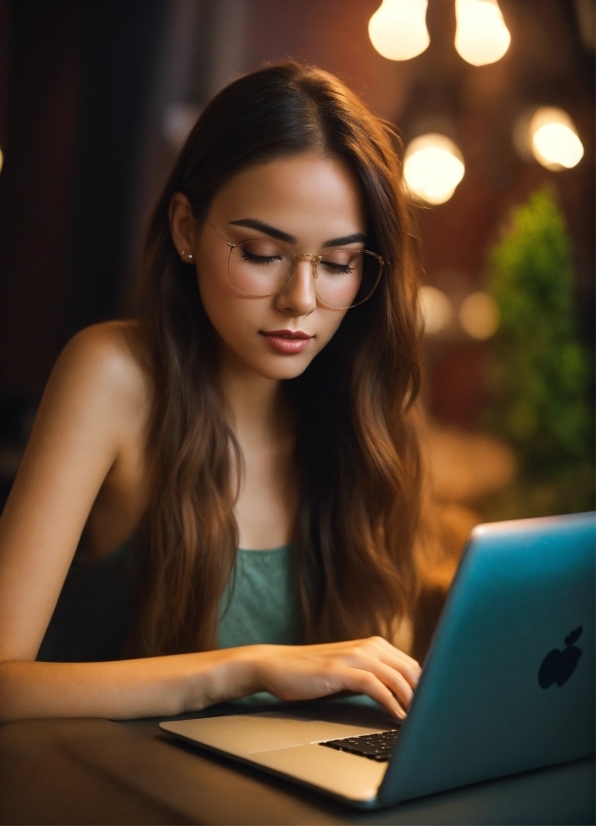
x: 345, y: 277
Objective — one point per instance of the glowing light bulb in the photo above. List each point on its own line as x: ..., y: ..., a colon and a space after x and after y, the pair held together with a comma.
x: 481, y: 36
x: 398, y: 30
x: 433, y: 167
x: 435, y: 310
x: 554, y: 140
x: 479, y: 316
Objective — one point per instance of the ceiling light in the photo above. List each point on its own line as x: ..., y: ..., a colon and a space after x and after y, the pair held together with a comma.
x: 398, y: 30
x: 554, y: 140
x: 481, y: 36
x: 433, y: 167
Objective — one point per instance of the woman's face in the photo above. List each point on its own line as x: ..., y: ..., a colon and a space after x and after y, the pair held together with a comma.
x: 306, y: 200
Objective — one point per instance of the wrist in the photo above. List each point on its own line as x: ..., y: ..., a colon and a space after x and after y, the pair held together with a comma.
x: 240, y: 673
x: 221, y: 676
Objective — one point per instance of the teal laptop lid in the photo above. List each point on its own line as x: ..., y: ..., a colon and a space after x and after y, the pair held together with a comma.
x: 508, y: 684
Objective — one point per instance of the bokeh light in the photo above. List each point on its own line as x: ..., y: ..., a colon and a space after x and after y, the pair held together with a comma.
x: 479, y: 316
x: 433, y: 167
x: 398, y: 30
x: 554, y: 140
x: 435, y: 310
x: 481, y: 36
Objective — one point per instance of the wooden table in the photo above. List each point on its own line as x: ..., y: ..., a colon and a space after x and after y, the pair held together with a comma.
x: 98, y: 771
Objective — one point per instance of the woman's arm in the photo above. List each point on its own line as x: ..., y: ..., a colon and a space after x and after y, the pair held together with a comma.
x: 171, y: 685
x: 82, y: 425
x: 151, y: 687
x: 91, y: 410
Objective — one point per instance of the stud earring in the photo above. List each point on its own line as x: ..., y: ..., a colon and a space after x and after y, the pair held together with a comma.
x: 183, y: 253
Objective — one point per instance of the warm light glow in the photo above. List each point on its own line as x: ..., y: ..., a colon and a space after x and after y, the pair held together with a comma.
x: 481, y: 36
x: 1, y: 160
x: 554, y: 140
x: 435, y: 310
x: 479, y: 316
x: 398, y: 30
x: 433, y: 167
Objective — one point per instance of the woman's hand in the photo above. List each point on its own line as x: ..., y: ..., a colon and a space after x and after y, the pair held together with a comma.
x: 371, y: 666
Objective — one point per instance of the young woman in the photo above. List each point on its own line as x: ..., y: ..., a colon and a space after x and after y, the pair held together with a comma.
x: 261, y: 401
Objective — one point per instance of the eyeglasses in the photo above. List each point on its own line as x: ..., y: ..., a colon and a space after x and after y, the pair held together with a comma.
x: 343, y: 278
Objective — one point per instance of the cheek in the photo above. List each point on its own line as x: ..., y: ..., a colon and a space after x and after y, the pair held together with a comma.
x: 212, y: 276
x: 234, y: 318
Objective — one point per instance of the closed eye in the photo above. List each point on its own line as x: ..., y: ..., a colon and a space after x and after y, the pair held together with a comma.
x: 337, y: 269
x: 258, y: 259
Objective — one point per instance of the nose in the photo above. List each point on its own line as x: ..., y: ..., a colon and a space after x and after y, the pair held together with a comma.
x: 298, y: 295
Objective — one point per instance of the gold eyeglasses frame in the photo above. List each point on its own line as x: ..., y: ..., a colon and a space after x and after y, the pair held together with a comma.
x: 315, y: 261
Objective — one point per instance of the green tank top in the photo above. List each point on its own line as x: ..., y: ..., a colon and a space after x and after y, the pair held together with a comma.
x: 260, y: 604
x: 94, y: 611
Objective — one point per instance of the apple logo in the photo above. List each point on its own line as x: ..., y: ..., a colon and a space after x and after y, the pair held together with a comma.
x: 558, y: 666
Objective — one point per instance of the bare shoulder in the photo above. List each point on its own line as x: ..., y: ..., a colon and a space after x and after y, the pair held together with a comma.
x: 113, y: 347
x: 113, y: 356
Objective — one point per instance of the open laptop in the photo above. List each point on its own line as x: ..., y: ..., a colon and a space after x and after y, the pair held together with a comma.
x: 508, y: 684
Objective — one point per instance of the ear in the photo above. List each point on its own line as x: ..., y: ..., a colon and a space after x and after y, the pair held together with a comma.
x: 182, y: 226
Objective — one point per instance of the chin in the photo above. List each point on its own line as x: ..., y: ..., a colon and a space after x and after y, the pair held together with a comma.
x: 281, y: 368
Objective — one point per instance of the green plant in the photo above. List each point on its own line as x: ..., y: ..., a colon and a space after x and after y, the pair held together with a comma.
x: 539, y: 390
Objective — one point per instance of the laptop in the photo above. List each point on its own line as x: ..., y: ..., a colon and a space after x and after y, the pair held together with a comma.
x: 507, y: 686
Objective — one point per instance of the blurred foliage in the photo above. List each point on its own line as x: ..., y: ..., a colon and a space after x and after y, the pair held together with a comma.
x: 540, y: 382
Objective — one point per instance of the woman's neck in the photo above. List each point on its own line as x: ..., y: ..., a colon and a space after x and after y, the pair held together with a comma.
x: 265, y: 488
x: 258, y: 407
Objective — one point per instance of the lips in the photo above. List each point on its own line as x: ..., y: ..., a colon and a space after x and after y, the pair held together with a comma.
x: 288, y: 342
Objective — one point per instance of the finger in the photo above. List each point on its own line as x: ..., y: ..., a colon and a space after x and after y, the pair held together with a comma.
x: 399, y: 660
x: 409, y: 672
x: 387, y: 646
x: 364, y: 682
x: 351, y: 652
x: 394, y: 680
x: 368, y: 657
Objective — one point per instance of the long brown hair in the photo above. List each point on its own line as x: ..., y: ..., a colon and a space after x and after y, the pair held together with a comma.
x: 357, y: 455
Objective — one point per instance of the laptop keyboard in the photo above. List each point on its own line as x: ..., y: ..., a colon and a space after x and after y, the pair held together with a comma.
x: 378, y: 746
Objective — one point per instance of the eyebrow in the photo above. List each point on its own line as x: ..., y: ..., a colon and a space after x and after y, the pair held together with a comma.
x: 252, y: 223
